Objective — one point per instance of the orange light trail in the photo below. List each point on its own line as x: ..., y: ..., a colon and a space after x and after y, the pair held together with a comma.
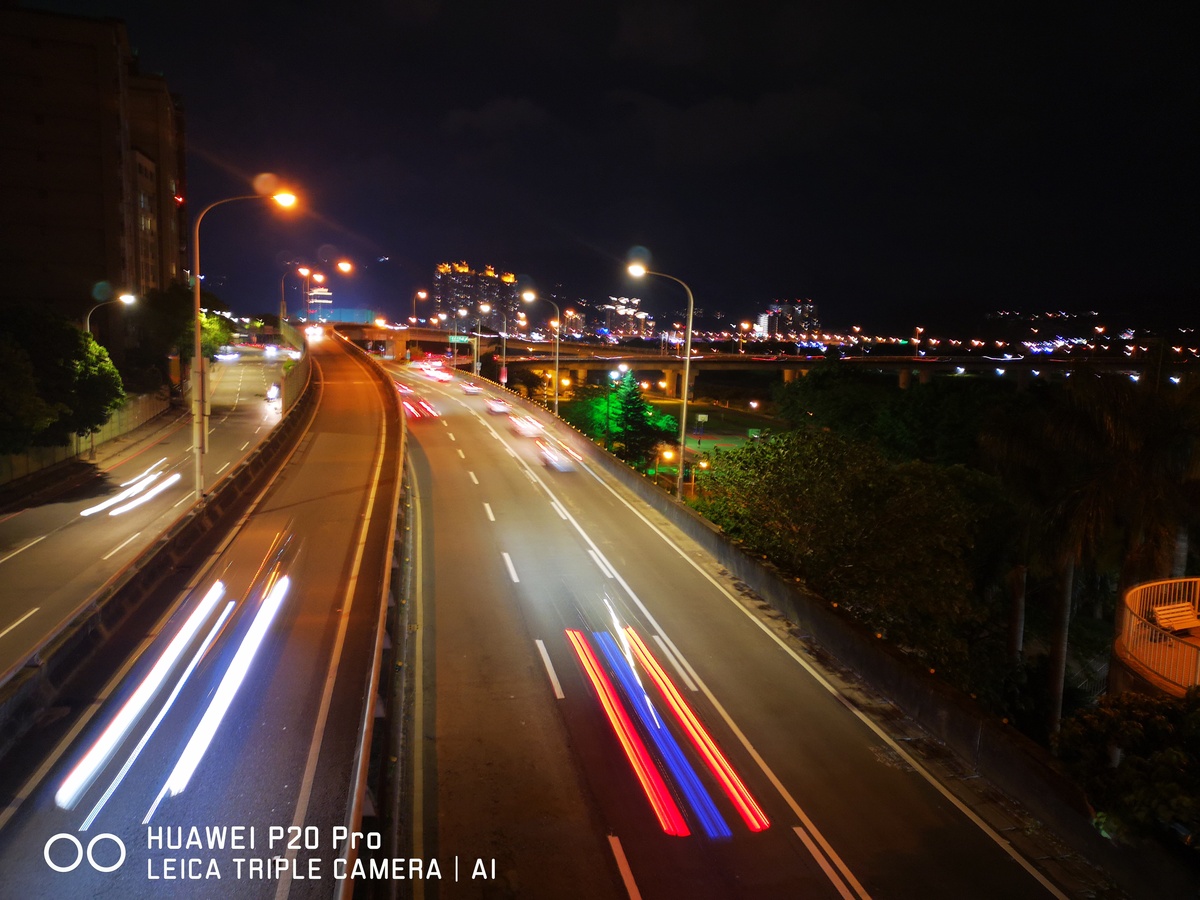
x: 665, y: 808
x: 738, y: 793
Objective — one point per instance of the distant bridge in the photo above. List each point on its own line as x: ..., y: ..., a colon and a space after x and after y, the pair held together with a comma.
x: 577, y: 359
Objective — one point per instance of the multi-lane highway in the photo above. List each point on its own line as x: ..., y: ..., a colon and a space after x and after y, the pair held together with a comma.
x: 55, y: 554
x: 221, y: 760
x: 597, y: 710
x: 603, y: 714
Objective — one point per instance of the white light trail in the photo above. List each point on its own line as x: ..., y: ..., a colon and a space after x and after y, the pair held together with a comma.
x: 166, y: 707
x: 132, y: 491
x: 197, y: 745
x: 149, y: 495
x: 101, y: 751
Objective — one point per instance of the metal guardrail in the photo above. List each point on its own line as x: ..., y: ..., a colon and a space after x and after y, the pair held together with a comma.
x: 362, y: 750
x: 1169, y: 661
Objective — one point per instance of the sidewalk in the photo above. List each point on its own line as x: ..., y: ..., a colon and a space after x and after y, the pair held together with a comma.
x: 46, y: 484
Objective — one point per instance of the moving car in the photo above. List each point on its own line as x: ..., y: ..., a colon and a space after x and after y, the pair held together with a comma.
x: 526, y: 426
x: 470, y: 387
x: 497, y: 406
x: 554, y: 458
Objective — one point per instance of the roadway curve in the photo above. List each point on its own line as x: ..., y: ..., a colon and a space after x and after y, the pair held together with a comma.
x: 284, y: 753
x: 522, y: 571
x: 56, y: 553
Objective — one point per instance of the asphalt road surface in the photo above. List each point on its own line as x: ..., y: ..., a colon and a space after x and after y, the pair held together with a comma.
x: 240, y: 716
x: 602, y: 713
x: 56, y: 553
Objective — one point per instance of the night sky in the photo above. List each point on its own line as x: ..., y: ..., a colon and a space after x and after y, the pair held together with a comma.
x: 900, y: 164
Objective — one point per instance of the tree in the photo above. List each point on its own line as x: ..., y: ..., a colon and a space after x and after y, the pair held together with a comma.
x: 23, y: 412
x: 636, y: 427
x: 893, y: 545
x: 73, y: 374
x: 1137, y: 758
x: 621, y: 418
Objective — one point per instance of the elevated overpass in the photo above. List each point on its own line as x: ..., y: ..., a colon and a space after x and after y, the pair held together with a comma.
x: 579, y: 360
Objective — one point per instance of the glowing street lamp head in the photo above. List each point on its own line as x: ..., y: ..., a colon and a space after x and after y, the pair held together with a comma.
x: 318, y: 277
x: 345, y: 267
x: 485, y: 307
x: 637, y: 270
x: 528, y: 296
x: 128, y: 299
x: 421, y: 295
x: 286, y: 199
x: 304, y: 271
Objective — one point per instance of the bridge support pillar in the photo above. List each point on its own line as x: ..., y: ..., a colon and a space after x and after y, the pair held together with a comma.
x: 924, y: 376
x: 905, y: 379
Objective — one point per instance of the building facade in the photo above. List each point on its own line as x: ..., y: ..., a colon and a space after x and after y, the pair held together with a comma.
x: 793, y: 319
x: 457, y: 285
x: 91, y: 166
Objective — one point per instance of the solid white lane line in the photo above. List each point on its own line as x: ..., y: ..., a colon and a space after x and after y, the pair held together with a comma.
x: 511, y: 571
x: 487, y: 507
x: 623, y: 865
x: 558, y: 691
x: 244, y: 446
x: 19, y: 621
x: 120, y: 546
x: 418, y: 676
x: 608, y: 573
x: 22, y: 549
x: 473, y: 478
x: 562, y: 513
x: 1005, y: 845
x: 666, y: 651
x: 223, y: 468
x: 721, y: 711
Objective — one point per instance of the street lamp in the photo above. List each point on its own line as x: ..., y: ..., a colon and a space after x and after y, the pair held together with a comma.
x: 419, y: 295
x: 529, y: 297
x: 484, y: 309
x: 199, y: 400
x: 637, y: 270
x: 454, y: 340
x: 744, y: 327
x: 127, y: 299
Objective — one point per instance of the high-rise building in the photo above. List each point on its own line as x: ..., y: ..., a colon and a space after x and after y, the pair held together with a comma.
x: 91, y: 166
x: 796, y: 317
x: 458, y: 286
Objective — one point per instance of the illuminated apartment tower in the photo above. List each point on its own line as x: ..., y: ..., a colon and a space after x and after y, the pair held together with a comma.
x: 796, y: 318
x: 457, y: 286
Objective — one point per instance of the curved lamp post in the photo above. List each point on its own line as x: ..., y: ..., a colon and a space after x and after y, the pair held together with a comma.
x: 529, y: 297
x: 418, y: 295
x: 127, y: 299
x: 637, y: 270
x: 199, y: 401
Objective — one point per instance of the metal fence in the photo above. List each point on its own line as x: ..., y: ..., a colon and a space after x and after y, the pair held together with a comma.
x: 1152, y: 649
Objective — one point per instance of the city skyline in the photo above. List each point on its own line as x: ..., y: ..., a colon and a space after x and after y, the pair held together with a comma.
x: 902, y: 167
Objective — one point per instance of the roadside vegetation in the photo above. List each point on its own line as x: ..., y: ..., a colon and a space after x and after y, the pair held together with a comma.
x: 59, y: 383
x: 988, y: 533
